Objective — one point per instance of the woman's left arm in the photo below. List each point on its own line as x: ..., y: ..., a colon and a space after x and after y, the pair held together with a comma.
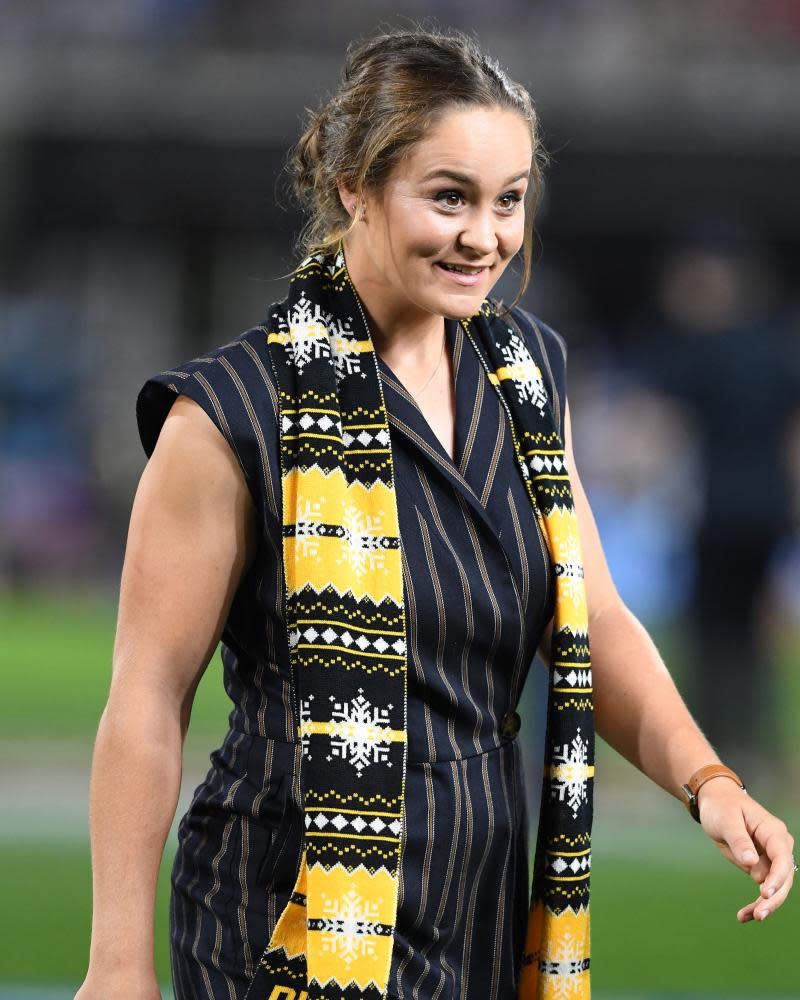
x: 641, y: 714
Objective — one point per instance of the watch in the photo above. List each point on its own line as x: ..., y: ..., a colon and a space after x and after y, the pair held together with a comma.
x: 699, y: 778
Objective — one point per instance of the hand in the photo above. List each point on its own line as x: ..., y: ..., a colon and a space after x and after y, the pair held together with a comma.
x: 121, y: 985
x: 750, y: 838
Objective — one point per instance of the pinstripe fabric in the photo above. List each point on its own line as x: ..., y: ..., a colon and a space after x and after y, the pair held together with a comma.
x: 478, y: 594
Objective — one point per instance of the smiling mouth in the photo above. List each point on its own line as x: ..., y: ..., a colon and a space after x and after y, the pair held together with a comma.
x: 461, y: 268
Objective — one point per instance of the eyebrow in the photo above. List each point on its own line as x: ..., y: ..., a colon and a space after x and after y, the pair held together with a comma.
x: 465, y: 178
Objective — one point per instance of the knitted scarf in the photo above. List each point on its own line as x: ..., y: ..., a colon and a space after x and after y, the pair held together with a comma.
x: 347, y: 638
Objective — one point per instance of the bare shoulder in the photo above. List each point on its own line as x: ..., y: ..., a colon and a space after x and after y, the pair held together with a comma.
x: 186, y: 422
x: 193, y: 462
x: 193, y: 491
x: 191, y: 537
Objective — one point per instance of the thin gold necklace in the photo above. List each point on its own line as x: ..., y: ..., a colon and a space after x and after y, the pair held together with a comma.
x: 435, y: 370
x: 441, y: 352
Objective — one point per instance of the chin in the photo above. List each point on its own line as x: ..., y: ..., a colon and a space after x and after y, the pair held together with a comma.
x: 461, y: 305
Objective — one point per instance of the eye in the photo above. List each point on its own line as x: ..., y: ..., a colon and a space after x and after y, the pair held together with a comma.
x: 511, y: 198
x: 448, y: 194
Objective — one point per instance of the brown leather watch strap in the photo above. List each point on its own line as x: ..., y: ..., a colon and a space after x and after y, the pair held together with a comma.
x: 699, y: 778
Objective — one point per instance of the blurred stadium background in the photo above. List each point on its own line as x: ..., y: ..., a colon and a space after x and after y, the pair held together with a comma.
x: 142, y: 222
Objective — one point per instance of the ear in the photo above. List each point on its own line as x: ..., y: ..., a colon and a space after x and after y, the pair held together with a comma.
x: 348, y: 199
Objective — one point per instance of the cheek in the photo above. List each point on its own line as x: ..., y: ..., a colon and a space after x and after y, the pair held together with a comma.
x: 426, y: 233
x: 513, y: 235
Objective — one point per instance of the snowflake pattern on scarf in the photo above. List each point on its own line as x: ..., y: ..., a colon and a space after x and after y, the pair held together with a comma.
x: 360, y: 732
x: 524, y: 372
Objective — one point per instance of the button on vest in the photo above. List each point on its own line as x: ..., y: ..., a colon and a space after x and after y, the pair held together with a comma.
x: 510, y: 724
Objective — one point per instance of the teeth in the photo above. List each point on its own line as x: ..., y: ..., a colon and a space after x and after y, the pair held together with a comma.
x: 462, y: 270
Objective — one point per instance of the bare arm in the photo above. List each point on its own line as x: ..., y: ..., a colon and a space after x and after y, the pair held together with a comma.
x: 192, y: 533
x: 641, y: 714
x: 638, y: 709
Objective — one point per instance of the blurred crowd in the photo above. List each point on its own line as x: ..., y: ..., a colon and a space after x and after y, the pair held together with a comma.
x: 689, y: 440
x: 741, y: 23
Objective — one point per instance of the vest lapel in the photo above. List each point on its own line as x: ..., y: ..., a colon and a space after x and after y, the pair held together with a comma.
x: 472, y: 399
x: 406, y: 418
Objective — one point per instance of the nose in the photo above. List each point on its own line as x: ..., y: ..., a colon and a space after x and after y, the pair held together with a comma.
x: 479, y: 233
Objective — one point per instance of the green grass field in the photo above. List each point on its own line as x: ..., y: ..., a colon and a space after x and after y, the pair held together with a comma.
x: 655, y: 927
x: 59, y: 656
x: 663, y: 900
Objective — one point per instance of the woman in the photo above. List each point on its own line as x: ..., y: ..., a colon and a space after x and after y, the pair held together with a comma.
x: 368, y: 499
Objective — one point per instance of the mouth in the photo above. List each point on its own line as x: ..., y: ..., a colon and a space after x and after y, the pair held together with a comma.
x: 462, y: 274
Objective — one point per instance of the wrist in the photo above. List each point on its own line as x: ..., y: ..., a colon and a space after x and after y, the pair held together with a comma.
x: 121, y: 963
x: 713, y: 787
x: 125, y: 984
x: 704, y: 776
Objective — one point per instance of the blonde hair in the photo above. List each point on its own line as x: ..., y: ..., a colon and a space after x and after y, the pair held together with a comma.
x: 393, y: 87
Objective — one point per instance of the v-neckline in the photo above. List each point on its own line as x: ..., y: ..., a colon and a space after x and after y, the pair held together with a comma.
x: 450, y: 328
x: 406, y: 418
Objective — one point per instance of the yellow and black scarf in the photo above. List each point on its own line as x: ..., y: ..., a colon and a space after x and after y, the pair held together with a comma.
x: 347, y: 637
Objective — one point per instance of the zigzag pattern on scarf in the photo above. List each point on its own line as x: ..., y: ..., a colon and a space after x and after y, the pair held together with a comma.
x: 347, y: 638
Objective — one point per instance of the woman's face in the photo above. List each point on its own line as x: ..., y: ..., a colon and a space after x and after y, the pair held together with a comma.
x: 454, y: 200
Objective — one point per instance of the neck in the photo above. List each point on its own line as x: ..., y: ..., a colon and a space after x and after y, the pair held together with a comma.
x: 403, y: 334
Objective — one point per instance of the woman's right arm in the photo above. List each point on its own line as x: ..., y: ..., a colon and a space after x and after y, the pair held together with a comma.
x: 192, y: 534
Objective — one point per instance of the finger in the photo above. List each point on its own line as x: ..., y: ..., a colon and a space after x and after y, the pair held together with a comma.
x: 753, y: 911
x: 742, y: 848
x: 774, y: 883
x: 746, y: 913
x: 763, y: 908
x: 760, y: 870
x: 778, y: 847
